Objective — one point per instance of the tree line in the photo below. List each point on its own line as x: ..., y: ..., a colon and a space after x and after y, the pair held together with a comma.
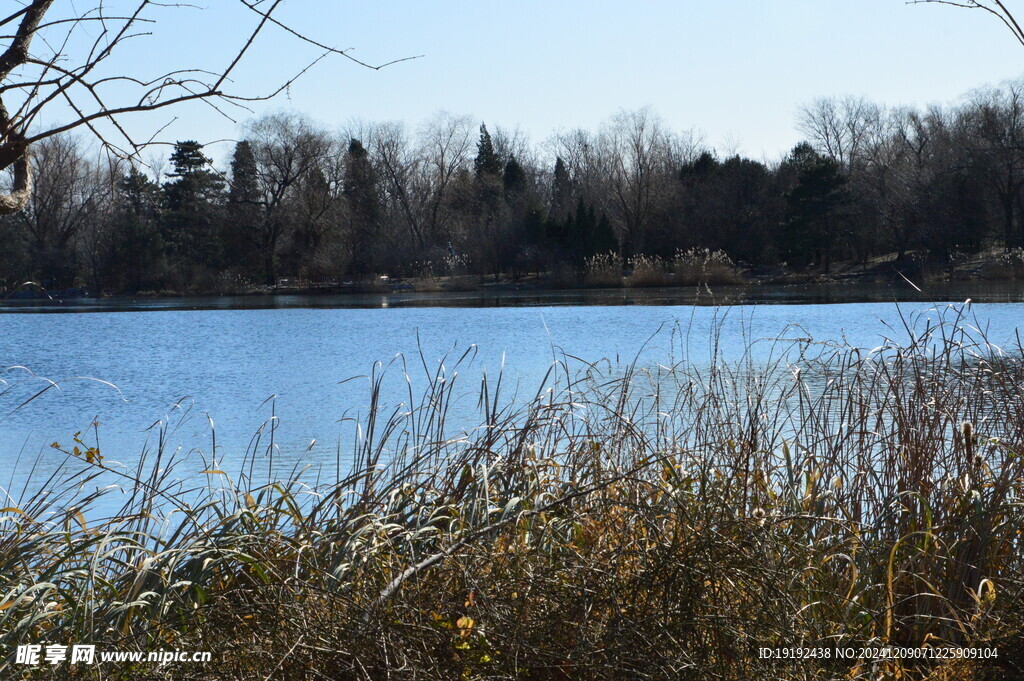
x: 453, y: 197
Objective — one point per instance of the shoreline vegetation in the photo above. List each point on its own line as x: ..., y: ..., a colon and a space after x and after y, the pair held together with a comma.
x: 661, y: 522
x: 874, y: 190
x: 607, y: 271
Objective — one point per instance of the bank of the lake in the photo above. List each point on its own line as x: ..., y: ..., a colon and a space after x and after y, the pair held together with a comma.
x: 955, y: 291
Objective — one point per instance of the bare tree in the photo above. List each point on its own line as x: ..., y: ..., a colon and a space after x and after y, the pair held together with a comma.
x: 842, y: 129
x: 400, y: 168
x: 289, y: 150
x: 995, y: 122
x: 57, y: 55
x: 446, y: 142
x: 638, y: 154
x: 578, y: 149
x: 69, y: 191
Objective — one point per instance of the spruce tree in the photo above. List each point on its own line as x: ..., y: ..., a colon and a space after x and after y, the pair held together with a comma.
x: 486, y: 163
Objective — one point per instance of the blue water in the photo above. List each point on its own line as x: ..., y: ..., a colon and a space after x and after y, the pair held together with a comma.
x: 235, y: 366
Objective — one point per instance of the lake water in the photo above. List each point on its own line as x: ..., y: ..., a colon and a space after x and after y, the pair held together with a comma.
x: 293, y: 355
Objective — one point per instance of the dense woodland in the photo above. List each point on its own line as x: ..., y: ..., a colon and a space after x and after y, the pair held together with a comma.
x: 297, y: 200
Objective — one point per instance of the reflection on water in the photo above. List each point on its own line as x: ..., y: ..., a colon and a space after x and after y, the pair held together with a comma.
x: 797, y: 294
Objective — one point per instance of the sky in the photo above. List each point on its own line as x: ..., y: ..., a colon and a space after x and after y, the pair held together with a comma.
x: 736, y: 71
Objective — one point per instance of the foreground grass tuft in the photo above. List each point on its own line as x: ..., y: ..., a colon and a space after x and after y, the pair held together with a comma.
x: 644, y: 523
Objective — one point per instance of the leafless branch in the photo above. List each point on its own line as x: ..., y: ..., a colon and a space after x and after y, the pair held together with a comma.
x: 996, y: 8
x: 60, y: 68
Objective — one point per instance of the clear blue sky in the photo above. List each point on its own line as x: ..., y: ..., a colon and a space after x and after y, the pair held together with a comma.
x: 738, y: 70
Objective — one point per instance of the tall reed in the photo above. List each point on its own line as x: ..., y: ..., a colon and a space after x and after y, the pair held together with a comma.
x: 642, y: 521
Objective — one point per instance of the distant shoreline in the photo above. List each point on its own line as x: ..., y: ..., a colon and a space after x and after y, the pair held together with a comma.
x: 983, y: 271
x: 834, y: 292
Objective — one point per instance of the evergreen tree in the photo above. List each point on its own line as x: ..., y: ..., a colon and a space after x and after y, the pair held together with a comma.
x: 580, y: 232
x: 193, y: 202
x: 491, y: 214
x: 486, y: 163
x: 139, y: 194
x: 814, y: 207
x: 603, y: 239
x: 513, y: 178
x: 188, y: 158
x: 561, y: 191
x: 700, y: 168
x: 137, y: 257
x: 363, y: 198
x: 243, y: 211
x: 244, y: 176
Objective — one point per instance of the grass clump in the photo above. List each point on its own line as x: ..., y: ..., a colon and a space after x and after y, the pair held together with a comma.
x: 638, y: 522
x: 647, y: 271
x: 603, y: 270
x: 703, y: 266
x: 1007, y: 264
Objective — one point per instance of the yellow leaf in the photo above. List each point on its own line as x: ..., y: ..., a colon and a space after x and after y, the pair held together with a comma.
x: 465, y: 625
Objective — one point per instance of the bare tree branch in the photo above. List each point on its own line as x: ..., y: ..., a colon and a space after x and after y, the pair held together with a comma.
x: 51, y: 60
x: 994, y: 7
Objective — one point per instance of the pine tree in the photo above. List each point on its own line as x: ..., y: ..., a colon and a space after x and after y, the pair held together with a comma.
x: 188, y: 158
x: 139, y: 194
x: 814, y: 206
x: 361, y: 192
x: 193, y: 202
x: 137, y: 257
x: 561, y: 191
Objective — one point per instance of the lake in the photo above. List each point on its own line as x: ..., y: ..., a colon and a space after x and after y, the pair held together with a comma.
x: 237, y: 362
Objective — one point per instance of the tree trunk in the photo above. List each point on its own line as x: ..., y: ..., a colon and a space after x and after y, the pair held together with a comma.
x: 17, y: 200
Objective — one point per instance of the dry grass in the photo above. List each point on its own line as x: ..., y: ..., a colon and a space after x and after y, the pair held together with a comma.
x: 603, y: 271
x: 1008, y: 264
x: 642, y: 523
x: 647, y: 271
x: 704, y: 266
